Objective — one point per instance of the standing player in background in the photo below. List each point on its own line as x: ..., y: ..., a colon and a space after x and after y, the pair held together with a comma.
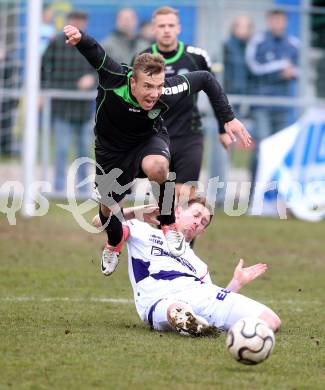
x: 131, y: 140
x: 183, y: 121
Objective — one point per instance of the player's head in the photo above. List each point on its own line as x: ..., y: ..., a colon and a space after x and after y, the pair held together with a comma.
x: 193, y: 217
x: 127, y: 21
x: 148, y: 79
x: 166, y: 27
x: 242, y: 27
x: 277, y: 22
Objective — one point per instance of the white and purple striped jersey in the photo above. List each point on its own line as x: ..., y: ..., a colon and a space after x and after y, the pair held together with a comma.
x: 154, y: 272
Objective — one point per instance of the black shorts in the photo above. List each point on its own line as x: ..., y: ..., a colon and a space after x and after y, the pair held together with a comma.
x: 121, y: 168
x: 186, y: 157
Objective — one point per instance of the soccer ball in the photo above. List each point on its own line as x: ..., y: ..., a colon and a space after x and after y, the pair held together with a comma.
x: 250, y: 340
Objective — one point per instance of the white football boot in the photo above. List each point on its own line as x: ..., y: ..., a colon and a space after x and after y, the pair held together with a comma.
x: 175, y: 240
x: 110, y: 255
x: 110, y: 259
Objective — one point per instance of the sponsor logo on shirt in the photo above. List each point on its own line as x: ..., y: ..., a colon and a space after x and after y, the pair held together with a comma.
x: 169, y: 70
x: 156, y: 251
x: 175, y: 89
x: 134, y: 109
x: 152, y: 114
x: 199, y: 52
x: 156, y: 239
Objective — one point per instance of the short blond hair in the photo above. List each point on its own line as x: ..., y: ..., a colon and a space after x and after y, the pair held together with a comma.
x: 165, y: 11
x: 148, y: 63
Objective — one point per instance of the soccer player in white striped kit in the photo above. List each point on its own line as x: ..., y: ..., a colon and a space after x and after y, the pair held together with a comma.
x: 176, y: 293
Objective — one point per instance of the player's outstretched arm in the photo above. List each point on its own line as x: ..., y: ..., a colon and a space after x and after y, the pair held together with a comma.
x: 146, y: 213
x: 235, y: 127
x: 225, y: 140
x: 205, y: 81
x: 73, y: 35
x: 111, y: 73
x: 243, y: 276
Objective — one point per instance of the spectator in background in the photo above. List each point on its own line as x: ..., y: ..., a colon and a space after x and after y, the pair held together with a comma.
x: 63, y: 68
x: 237, y: 75
x: 146, y: 32
x: 124, y: 43
x: 272, y: 57
x: 9, y: 78
x: 237, y: 81
x: 47, y: 29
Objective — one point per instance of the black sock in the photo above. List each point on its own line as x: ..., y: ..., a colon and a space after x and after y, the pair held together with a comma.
x: 113, y: 229
x: 166, y: 203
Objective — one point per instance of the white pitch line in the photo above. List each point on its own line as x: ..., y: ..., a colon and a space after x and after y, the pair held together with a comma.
x: 67, y: 299
x: 130, y: 301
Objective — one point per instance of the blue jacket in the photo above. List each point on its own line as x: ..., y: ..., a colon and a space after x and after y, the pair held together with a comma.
x: 267, y: 56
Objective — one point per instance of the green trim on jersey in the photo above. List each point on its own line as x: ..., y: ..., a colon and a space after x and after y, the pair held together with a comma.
x: 102, y: 62
x: 104, y: 97
x: 176, y: 57
x: 124, y: 92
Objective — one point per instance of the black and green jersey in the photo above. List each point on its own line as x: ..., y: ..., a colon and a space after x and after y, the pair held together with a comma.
x: 120, y: 122
x: 185, y: 118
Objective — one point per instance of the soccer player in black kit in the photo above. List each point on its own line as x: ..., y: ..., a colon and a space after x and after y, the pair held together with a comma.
x: 183, y: 120
x: 130, y: 138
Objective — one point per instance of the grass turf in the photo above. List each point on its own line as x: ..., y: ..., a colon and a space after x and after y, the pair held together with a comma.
x: 59, y: 330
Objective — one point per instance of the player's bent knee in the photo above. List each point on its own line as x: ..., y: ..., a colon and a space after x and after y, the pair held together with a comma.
x: 155, y: 168
x: 271, y: 319
x: 158, y: 173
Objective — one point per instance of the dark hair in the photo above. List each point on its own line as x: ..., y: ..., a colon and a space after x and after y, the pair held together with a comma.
x: 148, y: 63
x: 198, y: 199
x: 276, y: 12
x: 77, y: 15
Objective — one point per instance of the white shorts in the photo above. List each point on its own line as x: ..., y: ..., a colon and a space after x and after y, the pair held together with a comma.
x: 218, y: 306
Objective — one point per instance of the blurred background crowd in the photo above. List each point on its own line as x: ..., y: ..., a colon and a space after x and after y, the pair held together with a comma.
x: 268, y: 55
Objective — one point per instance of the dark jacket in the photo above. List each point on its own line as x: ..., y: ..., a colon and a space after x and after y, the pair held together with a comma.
x: 238, y: 78
x: 62, y: 67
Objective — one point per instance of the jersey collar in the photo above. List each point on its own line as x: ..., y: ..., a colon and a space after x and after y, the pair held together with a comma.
x: 125, y: 93
x: 171, y: 60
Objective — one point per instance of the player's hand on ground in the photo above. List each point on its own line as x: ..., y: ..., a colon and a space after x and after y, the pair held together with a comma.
x: 72, y: 34
x: 147, y: 213
x: 236, y: 128
x: 246, y: 275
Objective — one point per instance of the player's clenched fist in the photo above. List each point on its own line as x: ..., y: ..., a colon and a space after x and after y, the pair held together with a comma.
x: 72, y: 34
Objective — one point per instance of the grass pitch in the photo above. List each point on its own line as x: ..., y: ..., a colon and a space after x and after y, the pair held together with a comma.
x: 65, y: 326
